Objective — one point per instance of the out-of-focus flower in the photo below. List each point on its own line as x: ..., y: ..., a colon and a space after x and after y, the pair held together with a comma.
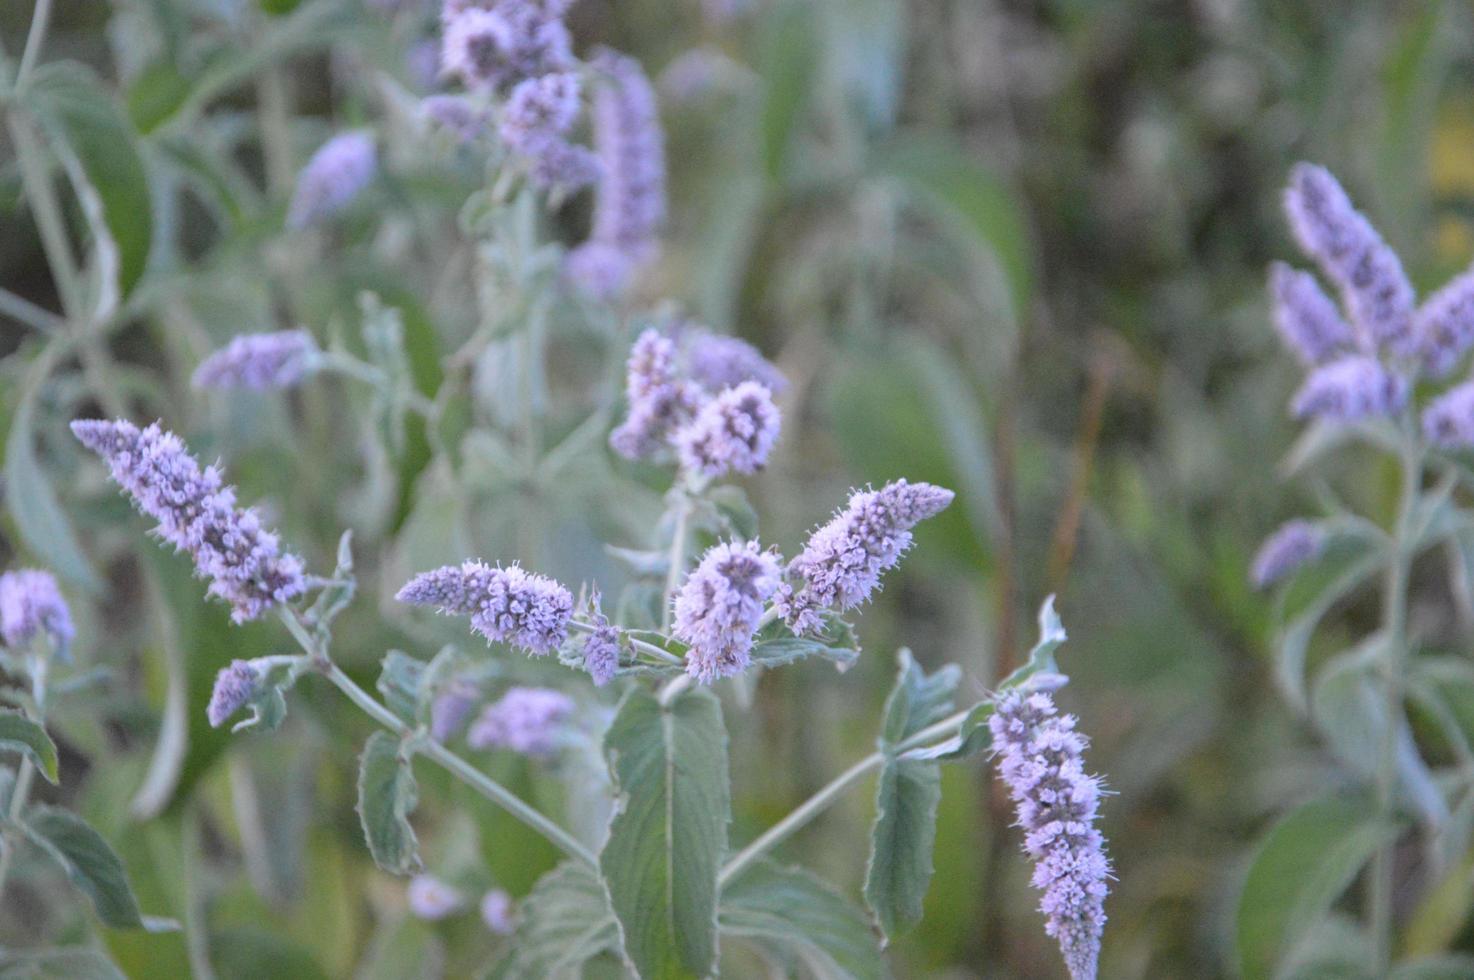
x: 235, y: 686
x: 659, y: 401
x: 451, y: 706
x: 432, y: 899
x: 498, y: 912
x: 736, y: 430
x: 455, y: 114
x: 841, y: 564
x: 1290, y: 547
x: 601, y: 647
x: 1349, y: 389
x: 506, y: 605
x: 1445, y: 325
x: 337, y: 173
x: 31, y: 603
x: 260, y: 361
x: 529, y: 720
x: 537, y: 116
x: 1306, y: 317
x: 1448, y: 421
x: 716, y: 361
x: 719, y: 606
x: 197, y: 514
x: 500, y: 46
x: 1041, y: 761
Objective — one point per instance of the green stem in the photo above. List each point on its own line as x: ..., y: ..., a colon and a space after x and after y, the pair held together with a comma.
x: 677, y: 560
x: 41, y: 196
x: 40, y: 19
x: 821, y: 800
x: 665, y: 656
x: 20, y: 794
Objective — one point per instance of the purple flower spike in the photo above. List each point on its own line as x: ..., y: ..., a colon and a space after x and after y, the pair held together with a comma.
x: 1306, y: 317
x: 455, y: 114
x: 601, y: 647
x: 659, y: 401
x: 197, y: 514
x: 235, y: 686
x: 506, y: 605
x: 529, y: 720
x: 1293, y: 545
x: 842, y: 563
x: 451, y: 707
x: 337, y: 173
x: 538, y: 114
x: 1445, y: 325
x: 31, y: 603
x: 259, y: 361
x: 1448, y: 421
x: 1349, y: 389
x: 1040, y: 759
x: 718, y: 609
x: 1377, y: 292
x: 736, y: 430
x: 716, y: 361
x: 498, y: 47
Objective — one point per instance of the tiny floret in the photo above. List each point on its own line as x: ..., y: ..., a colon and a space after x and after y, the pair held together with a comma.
x: 718, y: 609
x: 1448, y: 421
x: 1040, y: 760
x: 235, y: 687
x: 660, y: 401
x: 506, y: 605
x: 431, y: 899
x: 735, y: 431
x: 1293, y: 545
x: 337, y: 173
x: 498, y: 913
x: 31, y: 604
x: 260, y: 361
x: 1349, y: 389
x: 529, y: 720
x: 1307, y: 319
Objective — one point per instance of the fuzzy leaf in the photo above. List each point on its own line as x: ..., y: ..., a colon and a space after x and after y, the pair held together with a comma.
x: 39, y: 517
x: 669, y: 830
x: 386, y: 796
x: 797, y: 916
x: 399, y: 683
x: 787, y: 649
x: 74, y: 963
x: 917, y: 699
x: 93, y: 866
x: 20, y: 734
x: 1041, y: 658
x: 565, y: 922
x: 901, y: 842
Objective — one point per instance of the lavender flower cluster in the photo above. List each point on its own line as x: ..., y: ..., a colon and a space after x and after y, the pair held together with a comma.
x: 718, y: 609
x: 1293, y: 545
x: 197, y: 513
x: 31, y: 605
x: 336, y: 174
x: 506, y: 605
x: 1041, y: 762
x: 529, y: 720
x: 260, y: 362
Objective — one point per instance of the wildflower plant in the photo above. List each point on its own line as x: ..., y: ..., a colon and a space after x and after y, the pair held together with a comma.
x: 1381, y: 381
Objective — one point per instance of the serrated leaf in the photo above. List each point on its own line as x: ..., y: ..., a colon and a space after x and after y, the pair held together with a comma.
x: 58, y: 964
x: 387, y: 795
x: 1041, y: 658
x: 565, y: 922
x: 901, y: 842
x: 669, y: 830
x: 20, y: 734
x: 917, y: 699
x: 92, y: 865
x: 399, y: 683
x: 39, y: 517
x: 1303, y: 865
x: 800, y: 917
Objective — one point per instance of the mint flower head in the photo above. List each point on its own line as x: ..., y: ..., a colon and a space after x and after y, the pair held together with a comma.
x: 1293, y: 544
x: 259, y: 361
x: 529, y: 720
x: 1349, y: 389
x: 1040, y: 760
x: 716, y: 361
x: 1351, y: 253
x: 1307, y: 319
x: 197, y: 513
x: 506, y: 605
x: 1445, y: 325
x: 842, y: 563
x: 1448, y: 421
x: 337, y: 173
x: 31, y: 604
x: 660, y: 401
x: 601, y: 647
x: 718, y: 609
x: 235, y: 686
x: 535, y: 121
x: 735, y: 431
x: 496, y: 45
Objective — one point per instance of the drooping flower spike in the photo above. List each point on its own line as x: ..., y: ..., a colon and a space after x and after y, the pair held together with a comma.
x: 506, y: 605
x: 31, y: 604
x: 197, y: 513
x: 1350, y: 389
x: 718, y: 609
x: 1293, y: 545
x: 259, y: 361
x: 337, y: 173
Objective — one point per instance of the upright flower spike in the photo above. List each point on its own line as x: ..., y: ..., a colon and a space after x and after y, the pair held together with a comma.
x: 718, y: 609
x: 1448, y: 421
x: 496, y: 45
x: 736, y: 430
x: 1350, y: 389
x: 235, y: 686
x: 337, y: 173
x: 1040, y: 760
x: 1293, y: 544
x: 1330, y: 230
x: 717, y: 361
x: 260, y: 361
x: 1307, y: 319
x: 629, y: 206
x: 529, y: 720
x: 31, y: 604
x: 538, y: 114
x: 197, y: 514
x: 1445, y: 325
x: 659, y: 400
x: 842, y: 563
x: 506, y: 605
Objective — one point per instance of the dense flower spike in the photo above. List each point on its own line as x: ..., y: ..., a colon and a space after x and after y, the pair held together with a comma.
x: 1350, y: 388
x: 506, y: 605
x: 197, y: 513
x: 1377, y: 292
x: 736, y: 430
x: 235, y: 686
x: 1445, y: 325
x: 529, y: 720
x: 841, y: 564
x: 538, y: 114
x: 630, y: 205
x: 716, y: 361
x: 431, y: 899
x: 718, y: 609
x: 31, y: 603
x: 451, y: 707
x: 497, y: 912
x: 259, y: 361
x: 659, y: 401
x: 337, y: 173
x: 1305, y: 316
x: 499, y: 44
x: 601, y: 647
x: 1291, y: 546
x: 1040, y: 759
x: 1448, y: 421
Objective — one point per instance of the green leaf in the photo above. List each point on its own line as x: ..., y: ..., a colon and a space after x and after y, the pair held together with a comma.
x: 39, y: 517
x: 734, y: 509
x: 1303, y: 865
x: 1294, y: 644
x: 92, y: 865
x: 901, y: 842
x: 794, y: 914
x: 156, y: 94
x: 386, y: 796
x: 399, y: 683
x: 917, y: 699
x: 787, y: 649
x: 1041, y: 658
x: 565, y: 922
x: 789, y: 58
x: 20, y: 734
x: 77, y: 109
x: 669, y: 830
x: 58, y: 964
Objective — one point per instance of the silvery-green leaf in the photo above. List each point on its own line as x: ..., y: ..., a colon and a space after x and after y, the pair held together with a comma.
x: 63, y: 963
x: 917, y: 699
x: 788, y: 649
x: 386, y: 796
x: 20, y: 734
x: 901, y: 842
x: 1294, y: 642
x: 399, y: 683
x: 564, y: 922
x: 92, y: 865
x: 1041, y: 657
x: 39, y: 517
x: 734, y: 510
x: 669, y: 831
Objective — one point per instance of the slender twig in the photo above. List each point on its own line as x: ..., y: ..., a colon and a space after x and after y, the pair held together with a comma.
x: 22, y: 310
x: 20, y: 794
x: 643, y: 646
x: 676, y: 568
x: 35, y: 39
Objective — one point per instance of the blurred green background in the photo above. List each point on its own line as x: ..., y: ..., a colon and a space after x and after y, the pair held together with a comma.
x: 1017, y: 249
